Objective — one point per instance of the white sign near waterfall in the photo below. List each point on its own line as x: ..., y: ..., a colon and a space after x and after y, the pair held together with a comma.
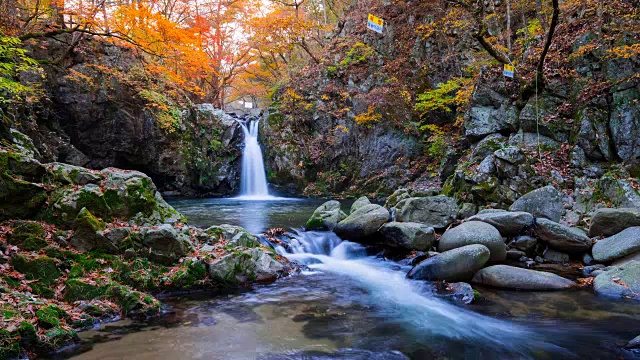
x: 253, y: 180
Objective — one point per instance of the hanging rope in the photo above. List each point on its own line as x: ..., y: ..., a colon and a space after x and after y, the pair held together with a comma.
x: 538, y: 118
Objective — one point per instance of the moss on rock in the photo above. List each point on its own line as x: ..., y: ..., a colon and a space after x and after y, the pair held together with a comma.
x: 82, y: 289
x: 41, y: 268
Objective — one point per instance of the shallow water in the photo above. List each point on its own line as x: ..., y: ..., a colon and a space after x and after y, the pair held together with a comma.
x: 347, y: 305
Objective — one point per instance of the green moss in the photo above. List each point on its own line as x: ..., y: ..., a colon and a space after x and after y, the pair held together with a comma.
x: 34, y: 244
x: 134, y: 302
x: 189, y: 275
x: 315, y: 223
x: 58, y: 337
x: 9, y: 346
x: 85, y: 220
x: 49, y: 317
x: 85, y: 321
x: 22, y: 230
x: 140, y: 274
x: 80, y: 289
x: 28, y: 335
x: 41, y: 268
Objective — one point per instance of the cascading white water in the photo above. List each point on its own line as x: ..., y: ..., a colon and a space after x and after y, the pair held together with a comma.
x: 253, y: 180
x: 402, y: 299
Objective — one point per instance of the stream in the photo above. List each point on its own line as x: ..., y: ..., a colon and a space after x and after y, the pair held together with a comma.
x: 348, y: 305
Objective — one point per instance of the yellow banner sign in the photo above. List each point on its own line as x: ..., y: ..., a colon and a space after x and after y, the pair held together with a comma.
x: 509, y: 70
x: 375, y: 23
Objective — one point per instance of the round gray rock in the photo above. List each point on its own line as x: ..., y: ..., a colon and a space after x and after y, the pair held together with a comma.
x: 620, y: 282
x: 510, y: 277
x: 408, y: 235
x: 475, y: 232
x: 454, y: 265
x: 545, y: 202
x: 562, y: 237
x: 363, y: 223
x: 359, y: 203
x: 617, y: 246
x: 326, y: 216
x: 609, y: 222
x: 435, y: 211
x: 507, y: 222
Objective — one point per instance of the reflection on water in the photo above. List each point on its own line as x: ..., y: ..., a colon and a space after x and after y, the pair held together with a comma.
x: 254, y: 215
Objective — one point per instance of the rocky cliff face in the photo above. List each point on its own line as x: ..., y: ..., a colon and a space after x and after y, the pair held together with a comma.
x: 100, y: 111
x: 350, y: 121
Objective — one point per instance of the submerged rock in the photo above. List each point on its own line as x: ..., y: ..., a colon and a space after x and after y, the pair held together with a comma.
x: 510, y: 277
x: 435, y: 211
x: 545, y: 202
x: 459, y: 292
x: 325, y: 217
x: 408, y: 236
x: 363, y: 223
x: 609, y: 222
x: 474, y: 232
x: 623, y: 281
x: 454, y: 265
x: 617, y: 246
x: 508, y: 223
x: 561, y: 237
x: 362, y: 201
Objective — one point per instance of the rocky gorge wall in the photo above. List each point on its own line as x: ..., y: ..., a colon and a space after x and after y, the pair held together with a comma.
x: 98, y: 109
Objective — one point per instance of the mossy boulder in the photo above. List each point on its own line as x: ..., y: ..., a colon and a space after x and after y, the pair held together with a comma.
x: 165, y: 244
x: 88, y: 234
x: 28, y: 235
x: 237, y: 235
x: 133, y: 302
x: 326, y: 216
x: 245, y: 265
x: 21, y: 192
x: 49, y: 316
x: 73, y: 175
x: 189, y: 275
x: 83, y: 289
x: 41, y: 268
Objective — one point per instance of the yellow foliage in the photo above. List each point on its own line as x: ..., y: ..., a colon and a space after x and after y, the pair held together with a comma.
x: 366, y: 119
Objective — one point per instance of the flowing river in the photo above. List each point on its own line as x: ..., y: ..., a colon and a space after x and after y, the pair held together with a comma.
x: 350, y: 305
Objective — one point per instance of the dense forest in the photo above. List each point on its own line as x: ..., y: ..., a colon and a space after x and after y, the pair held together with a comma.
x: 120, y: 119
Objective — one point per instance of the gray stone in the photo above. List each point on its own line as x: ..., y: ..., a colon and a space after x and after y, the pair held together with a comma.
x: 555, y: 256
x: 467, y: 210
x: 620, y: 192
x: 634, y: 343
x: 245, y: 266
x: 490, y: 211
x: 524, y: 243
x: 625, y: 260
x: 621, y: 282
x: 512, y: 155
x: 510, y: 277
x: 561, y: 237
x: 545, y: 202
x: 326, y: 216
x: 589, y: 271
x: 593, y: 136
x: 408, y: 236
x: 487, y: 166
x: 516, y: 255
x: 236, y: 235
x: 624, y: 123
x: 167, y: 244
x: 530, y: 141
x: 474, y: 232
x: 619, y: 245
x: 609, y: 222
x: 435, y: 211
x: 488, y: 146
x: 459, y: 292
x: 454, y: 265
x: 508, y: 223
x: 587, y: 259
x: 363, y: 223
x: 396, y: 197
x: 362, y: 201
x: 486, y: 120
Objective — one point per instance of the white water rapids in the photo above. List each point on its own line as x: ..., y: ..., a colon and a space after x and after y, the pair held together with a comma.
x: 401, y: 299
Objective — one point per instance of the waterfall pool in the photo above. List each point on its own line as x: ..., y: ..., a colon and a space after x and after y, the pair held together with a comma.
x: 348, y: 305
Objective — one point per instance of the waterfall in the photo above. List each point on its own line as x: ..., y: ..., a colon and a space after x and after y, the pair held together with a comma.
x: 253, y: 180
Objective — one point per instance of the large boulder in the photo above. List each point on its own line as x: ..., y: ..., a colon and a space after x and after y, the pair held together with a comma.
x: 21, y: 193
x: 607, y: 222
x: 510, y: 277
x: 245, y: 265
x: 508, y: 223
x: 454, y: 265
x: 396, y: 197
x: 362, y: 201
x: 73, y: 175
x: 87, y: 234
x: 326, y: 216
x: 435, y: 211
x: 475, y: 232
x: 122, y: 194
x: 408, y: 236
x: 619, y: 245
x: 166, y: 244
x: 236, y: 235
x: 363, y: 223
x: 562, y: 237
x: 623, y: 281
x: 545, y: 202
